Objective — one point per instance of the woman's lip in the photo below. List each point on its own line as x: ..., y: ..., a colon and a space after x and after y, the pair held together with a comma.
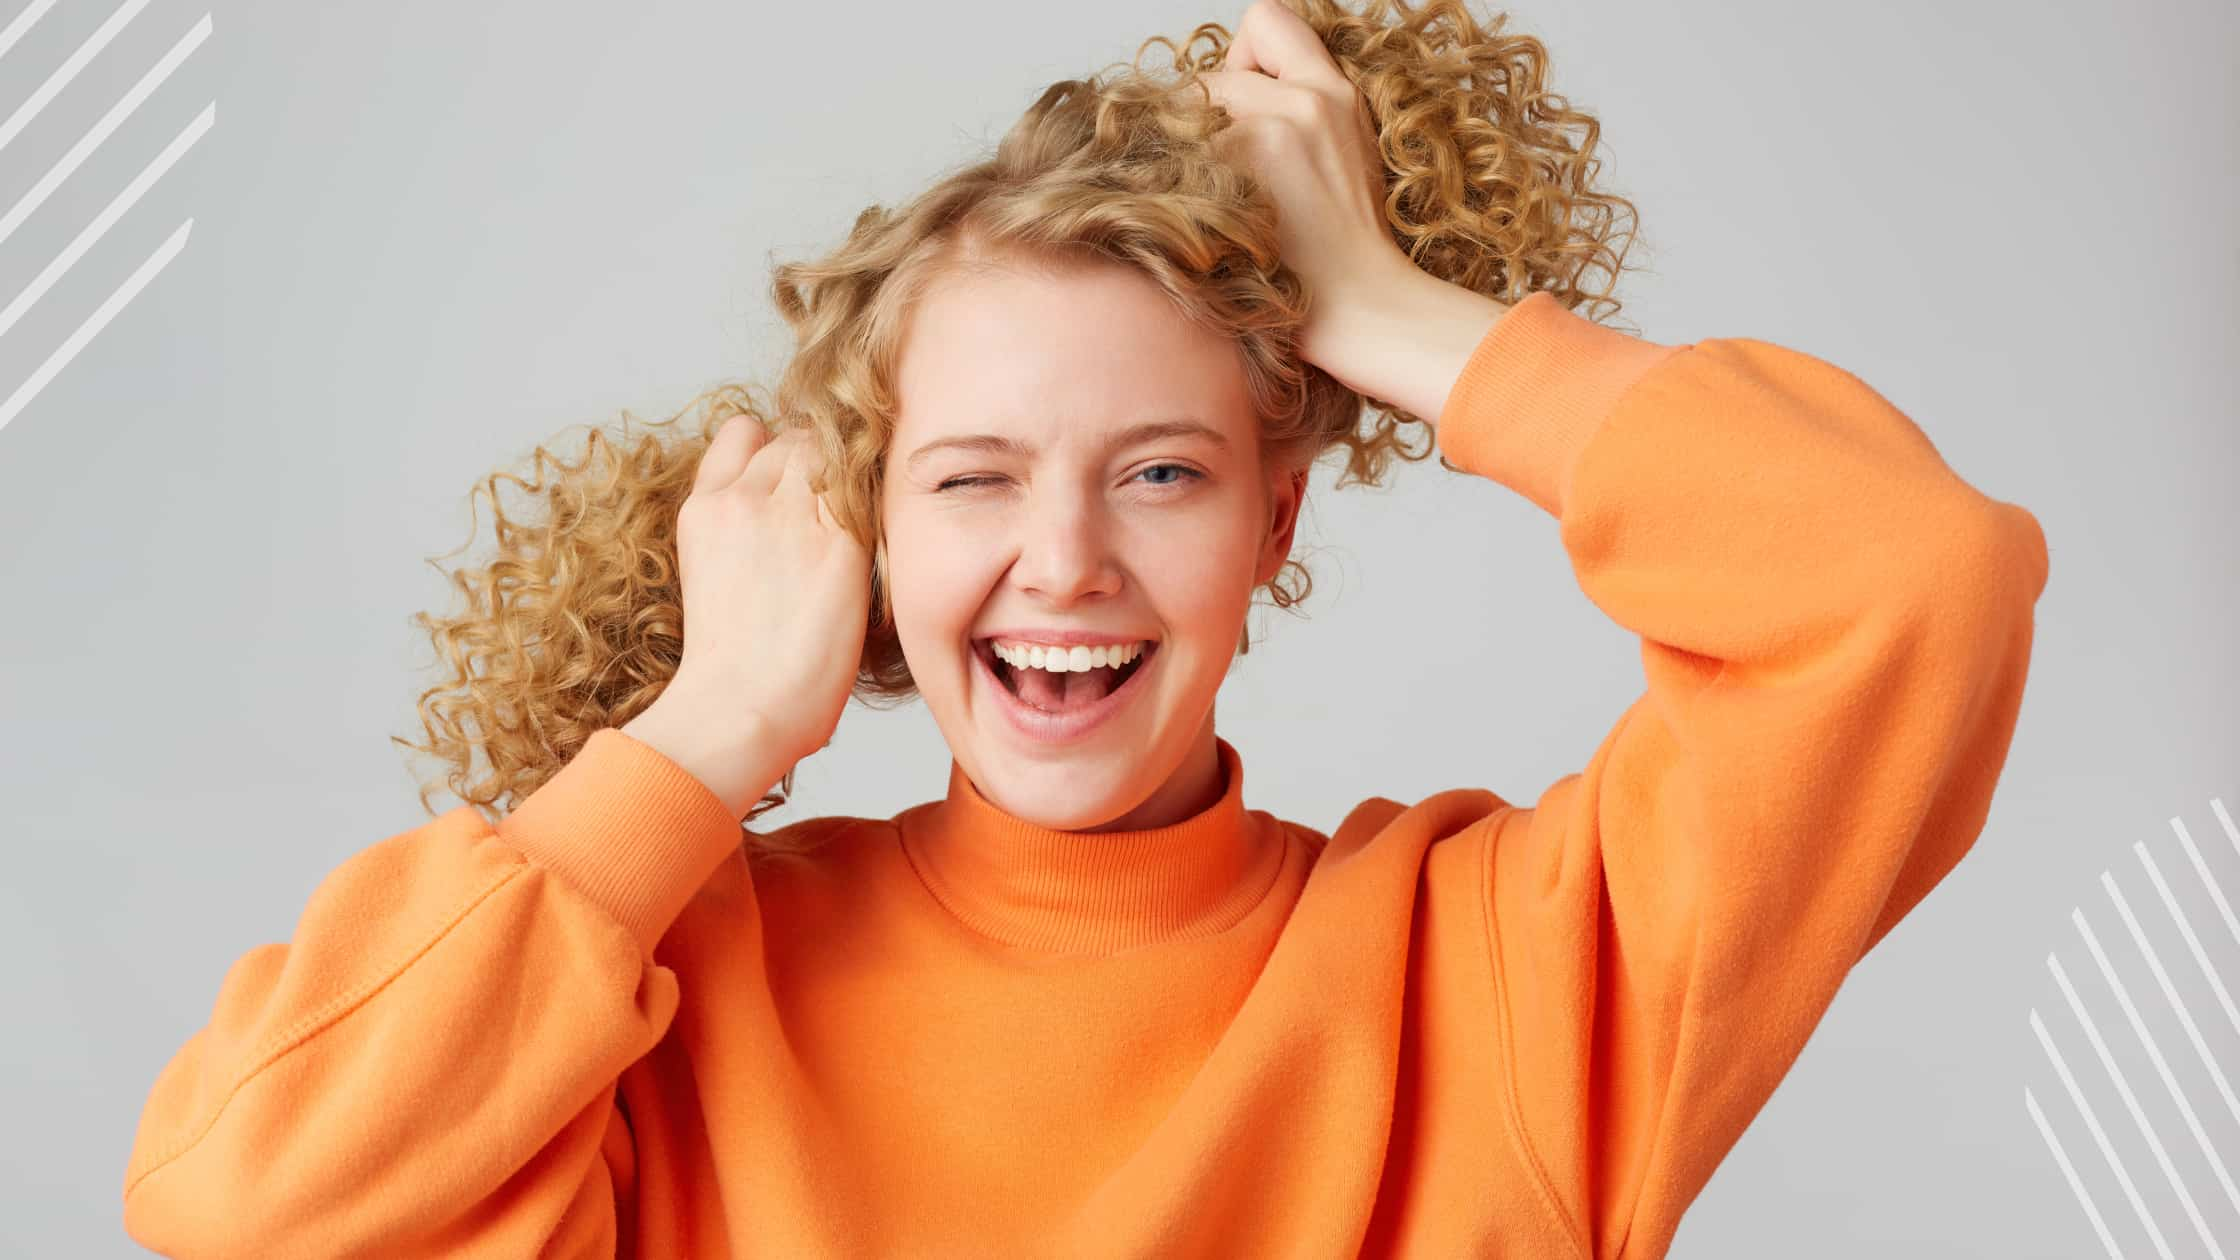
x: 1057, y: 728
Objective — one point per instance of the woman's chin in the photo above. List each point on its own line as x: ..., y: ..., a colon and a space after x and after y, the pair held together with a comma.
x: 1064, y: 794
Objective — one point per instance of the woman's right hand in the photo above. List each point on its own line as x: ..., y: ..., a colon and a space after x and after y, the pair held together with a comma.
x: 776, y: 592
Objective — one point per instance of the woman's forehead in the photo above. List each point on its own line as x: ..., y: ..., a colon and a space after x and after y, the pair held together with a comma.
x: 1047, y: 359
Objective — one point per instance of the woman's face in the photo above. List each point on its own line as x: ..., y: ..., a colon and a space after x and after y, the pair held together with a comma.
x: 1074, y: 464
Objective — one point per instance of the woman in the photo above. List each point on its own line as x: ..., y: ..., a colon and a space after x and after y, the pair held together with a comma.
x: 1046, y: 433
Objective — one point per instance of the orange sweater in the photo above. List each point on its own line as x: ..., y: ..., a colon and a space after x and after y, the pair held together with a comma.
x: 1460, y: 1026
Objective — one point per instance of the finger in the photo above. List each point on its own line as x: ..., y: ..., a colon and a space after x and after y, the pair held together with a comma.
x: 735, y: 442
x: 1279, y: 43
x: 1247, y: 96
x: 1252, y: 100
x: 769, y: 464
x: 1238, y: 56
x: 1245, y: 93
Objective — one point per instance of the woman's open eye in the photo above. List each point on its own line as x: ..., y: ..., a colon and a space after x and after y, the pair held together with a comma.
x: 1186, y: 473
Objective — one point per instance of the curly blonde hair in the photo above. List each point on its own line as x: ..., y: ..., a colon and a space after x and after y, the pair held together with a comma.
x: 576, y: 621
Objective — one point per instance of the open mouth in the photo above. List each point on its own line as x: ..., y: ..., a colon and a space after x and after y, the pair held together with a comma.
x: 1072, y: 691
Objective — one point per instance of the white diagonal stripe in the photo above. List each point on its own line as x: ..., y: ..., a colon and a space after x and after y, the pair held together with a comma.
x: 2131, y: 1102
x: 68, y: 70
x: 2216, y: 805
x: 110, y: 213
x: 2154, y: 1049
x: 2099, y: 1135
x: 2069, y: 1171
x: 2185, y: 925
x: 100, y: 131
x: 2162, y: 977
x: 23, y: 23
x: 2201, y: 868
x: 94, y: 323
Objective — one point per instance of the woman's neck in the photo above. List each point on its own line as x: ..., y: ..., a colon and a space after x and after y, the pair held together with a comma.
x: 1192, y: 789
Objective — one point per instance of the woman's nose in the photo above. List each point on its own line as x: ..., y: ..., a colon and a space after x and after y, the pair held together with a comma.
x: 1065, y: 550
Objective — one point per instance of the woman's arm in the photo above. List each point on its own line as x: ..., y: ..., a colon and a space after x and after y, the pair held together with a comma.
x: 429, y: 1066
x: 1834, y: 630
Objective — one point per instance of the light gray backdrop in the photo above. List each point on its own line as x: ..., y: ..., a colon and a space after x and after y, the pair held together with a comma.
x: 428, y: 236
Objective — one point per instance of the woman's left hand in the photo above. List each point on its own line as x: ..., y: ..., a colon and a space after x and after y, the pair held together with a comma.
x: 1303, y: 131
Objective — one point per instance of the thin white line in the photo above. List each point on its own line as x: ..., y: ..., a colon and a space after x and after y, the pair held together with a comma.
x: 2099, y: 1135
x: 110, y: 213
x: 2201, y: 868
x: 2161, y: 1065
x: 2185, y: 926
x: 2216, y: 804
x: 23, y: 23
x: 2162, y: 977
x: 100, y: 131
x: 95, y: 322
x: 2069, y: 1171
x: 2131, y: 1102
x: 68, y: 70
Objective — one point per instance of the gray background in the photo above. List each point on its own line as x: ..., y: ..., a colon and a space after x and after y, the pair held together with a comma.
x: 428, y: 236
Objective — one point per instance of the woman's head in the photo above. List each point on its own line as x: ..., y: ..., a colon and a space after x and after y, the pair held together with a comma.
x: 1074, y: 456
x: 1100, y: 270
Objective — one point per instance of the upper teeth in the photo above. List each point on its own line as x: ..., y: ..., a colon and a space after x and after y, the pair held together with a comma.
x: 1059, y: 660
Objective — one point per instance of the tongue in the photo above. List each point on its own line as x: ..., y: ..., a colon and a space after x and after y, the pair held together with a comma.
x: 1060, y: 693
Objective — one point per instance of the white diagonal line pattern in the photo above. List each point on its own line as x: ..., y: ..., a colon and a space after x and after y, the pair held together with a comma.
x: 15, y: 29
x: 2069, y: 1172
x: 92, y: 141
x: 2201, y: 868
x: 2162, y: 1069
x: 94, y: 323
x: 2139, y: 1022
x: 68, y: 70
x: 2162, y: 977
x: 2185, y: 926
x: 93, y: 232
x: 101, y: 131
x: 2131, y: 1102
x: 2099, y: 1136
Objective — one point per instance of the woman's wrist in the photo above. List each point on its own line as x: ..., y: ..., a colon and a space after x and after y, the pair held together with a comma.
x: 1404, y: 336
x: 734, y: 753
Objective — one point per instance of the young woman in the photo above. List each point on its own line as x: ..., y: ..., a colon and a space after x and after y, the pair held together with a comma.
x: 1045, y: 435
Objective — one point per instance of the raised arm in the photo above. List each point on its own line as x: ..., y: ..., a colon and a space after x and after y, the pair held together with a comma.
x: 1834, y: 631
x: 429, y: 1066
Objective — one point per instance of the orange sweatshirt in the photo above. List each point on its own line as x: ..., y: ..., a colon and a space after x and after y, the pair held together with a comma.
x: 1454, y: 1027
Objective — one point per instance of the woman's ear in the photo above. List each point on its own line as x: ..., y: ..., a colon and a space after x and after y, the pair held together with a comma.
x: 1287, y: 492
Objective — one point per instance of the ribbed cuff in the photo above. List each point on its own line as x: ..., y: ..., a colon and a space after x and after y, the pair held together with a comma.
x: 1534, y: 391
x: 628, y: 828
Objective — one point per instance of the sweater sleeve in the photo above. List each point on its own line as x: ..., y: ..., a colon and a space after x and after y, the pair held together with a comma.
x: 1834, y: 634
x: 429, y: 1067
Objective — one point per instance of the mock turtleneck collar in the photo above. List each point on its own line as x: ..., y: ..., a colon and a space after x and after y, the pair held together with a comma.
x: 1076, y: 892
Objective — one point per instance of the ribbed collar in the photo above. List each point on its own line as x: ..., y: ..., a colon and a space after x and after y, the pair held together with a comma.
x: 1076, y: 892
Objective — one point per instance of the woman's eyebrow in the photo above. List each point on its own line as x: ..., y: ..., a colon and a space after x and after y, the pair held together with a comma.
x: 994, y: 444
x: 1148, y: 431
